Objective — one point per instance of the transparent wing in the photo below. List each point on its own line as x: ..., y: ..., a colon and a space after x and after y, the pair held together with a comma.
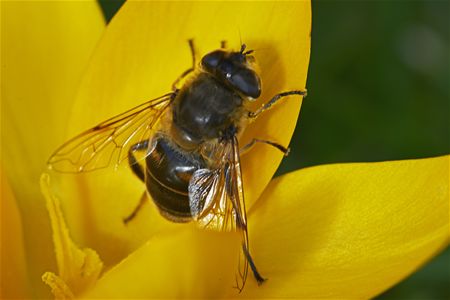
x: 108, y: 142
x: 235, y: 190
x: 209, y: 202
x: 217, y: 202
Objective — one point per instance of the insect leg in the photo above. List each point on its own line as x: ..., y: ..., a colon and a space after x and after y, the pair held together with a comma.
x: 250, y: 145
x: 136, y: 209
x: 139, y: 172
x: 132, y: 161
x: 231, y: 188
x: 223, y: 44
x: 188, y: 71
x: 258, y: 276
x: 275, y: 99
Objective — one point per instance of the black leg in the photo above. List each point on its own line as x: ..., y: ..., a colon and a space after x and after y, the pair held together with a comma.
x: 139, y: 172
x: 231, y: 189
x: 188, y: 71
x: 275, y: 99
x: 136, y: 209
x: 132, y: 161
x: 223, y: 44
x: 255, y: 271
x: 270, y: 143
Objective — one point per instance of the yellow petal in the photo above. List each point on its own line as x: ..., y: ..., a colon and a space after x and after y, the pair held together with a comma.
x: 78, y: 269
x: 14, y: 281
x: 349, y: 230
x: 185, y: 263
x: 142, y: 53
x: 45, y: 47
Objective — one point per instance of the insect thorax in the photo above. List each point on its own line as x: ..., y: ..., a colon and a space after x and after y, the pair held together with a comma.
x: 204, y: 109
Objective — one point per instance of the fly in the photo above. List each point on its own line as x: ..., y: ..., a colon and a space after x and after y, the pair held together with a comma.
x: 184, y: 145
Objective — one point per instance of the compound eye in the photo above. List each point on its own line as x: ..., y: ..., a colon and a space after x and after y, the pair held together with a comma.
x: 226, y: 68
x: 247, y: 82
x: 211, y: 60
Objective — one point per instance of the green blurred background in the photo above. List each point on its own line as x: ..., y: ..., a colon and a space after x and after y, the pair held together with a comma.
x: 378, y: 90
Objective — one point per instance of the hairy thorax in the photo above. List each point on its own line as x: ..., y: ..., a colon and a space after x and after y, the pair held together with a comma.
x: 203, y: 110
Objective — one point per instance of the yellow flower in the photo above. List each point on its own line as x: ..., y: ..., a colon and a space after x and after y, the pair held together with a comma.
x: 45, y: 46
x: 333, y: 231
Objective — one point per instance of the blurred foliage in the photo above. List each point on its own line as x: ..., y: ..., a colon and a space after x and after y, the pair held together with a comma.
x: 110, y: 7
x: 378, y: 90
x: 378, y: 83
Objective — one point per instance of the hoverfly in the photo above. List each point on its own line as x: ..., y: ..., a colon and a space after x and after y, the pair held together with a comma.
x: 184, y: 145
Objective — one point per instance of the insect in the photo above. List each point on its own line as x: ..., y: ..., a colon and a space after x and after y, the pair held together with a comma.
x: 184, y: 145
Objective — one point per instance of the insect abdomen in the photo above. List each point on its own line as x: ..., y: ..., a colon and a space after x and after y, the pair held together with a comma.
x: 167, y: 179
